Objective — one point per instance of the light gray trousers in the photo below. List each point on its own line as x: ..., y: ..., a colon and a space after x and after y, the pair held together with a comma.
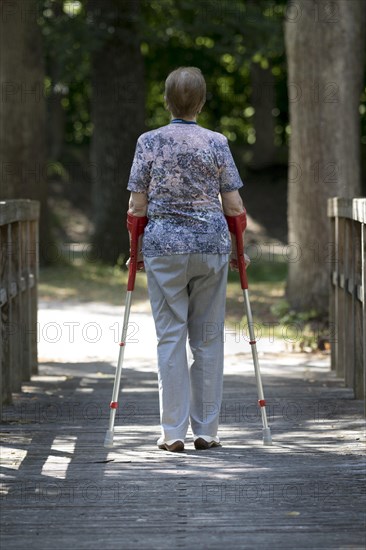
x: 188, y: 294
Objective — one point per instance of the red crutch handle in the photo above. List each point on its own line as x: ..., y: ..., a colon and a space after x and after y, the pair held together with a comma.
x: 135, y: 226
x: 237, y: 225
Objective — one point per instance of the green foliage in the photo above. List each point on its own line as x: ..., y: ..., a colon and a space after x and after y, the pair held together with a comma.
x: 285, y: 314
x: 87, y: 281
x: 222, y: 37
x: 264, y: 271
x: 308, y: 330
x: 68, y: 43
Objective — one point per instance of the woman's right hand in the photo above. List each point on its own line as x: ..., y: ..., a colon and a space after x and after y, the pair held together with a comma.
x: 140, y: 265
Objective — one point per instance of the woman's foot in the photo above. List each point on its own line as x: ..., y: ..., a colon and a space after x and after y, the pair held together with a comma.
x: 175, y: 447
x: 202, y: 443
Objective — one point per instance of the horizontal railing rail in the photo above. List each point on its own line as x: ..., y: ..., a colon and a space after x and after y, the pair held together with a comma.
x: 18, y: 294
x: 347, y: 291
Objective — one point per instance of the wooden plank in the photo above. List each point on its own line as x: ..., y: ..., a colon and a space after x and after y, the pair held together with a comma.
x: 354, y: 209
x: 358, y: 340
x: 333, y: 280
x: 15, y: 309
x: 363, y: 292
x: 334, y: 320
x: 18, y: 293
x: 18, y: 210
x: 348, y: 311
x: 33, y: 257
x: 3, y: 300
x: 349, y: 305
x: 27, y: 326
x: 336, y: 280
x: 341, y: 349
x: 65, y: 490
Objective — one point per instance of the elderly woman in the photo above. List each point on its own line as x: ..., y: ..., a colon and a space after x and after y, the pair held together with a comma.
x: 178, y: 174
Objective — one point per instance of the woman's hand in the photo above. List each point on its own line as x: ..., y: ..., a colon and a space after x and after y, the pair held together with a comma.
x: 234, y: 255
x: 140, y: 259
x: 140, y: 264
x: 234, y: 263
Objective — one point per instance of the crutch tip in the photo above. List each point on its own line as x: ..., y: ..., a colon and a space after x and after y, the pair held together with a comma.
x: 267, y: 438
x: 108, y: 441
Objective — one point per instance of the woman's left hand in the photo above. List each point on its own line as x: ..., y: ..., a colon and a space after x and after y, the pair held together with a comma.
x: 234, y: 263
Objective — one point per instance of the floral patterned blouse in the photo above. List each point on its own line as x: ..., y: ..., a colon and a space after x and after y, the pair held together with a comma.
x: 183, y: 168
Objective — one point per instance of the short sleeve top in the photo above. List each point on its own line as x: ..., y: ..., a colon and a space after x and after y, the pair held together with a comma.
x: 183, y: 168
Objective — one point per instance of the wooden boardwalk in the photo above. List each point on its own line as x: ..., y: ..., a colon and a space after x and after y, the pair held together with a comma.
x: 63, y: 490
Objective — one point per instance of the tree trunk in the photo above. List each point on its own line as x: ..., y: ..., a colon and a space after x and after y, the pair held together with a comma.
x: 118, y: 119
x: 325, y: 55
x: 22, y: 110
x: 56, y: 114
x: 263, y: 101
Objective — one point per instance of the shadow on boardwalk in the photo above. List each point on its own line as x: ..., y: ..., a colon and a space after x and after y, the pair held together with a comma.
x: 63, y: 490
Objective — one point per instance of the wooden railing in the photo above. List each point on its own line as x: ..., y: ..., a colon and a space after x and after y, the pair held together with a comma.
x: 347, y: 295
x: 18, y: 294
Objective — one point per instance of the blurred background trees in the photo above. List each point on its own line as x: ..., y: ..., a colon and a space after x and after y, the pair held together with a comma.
x: 23, y: 109
x: 118, y: 116
x: 105, y: 62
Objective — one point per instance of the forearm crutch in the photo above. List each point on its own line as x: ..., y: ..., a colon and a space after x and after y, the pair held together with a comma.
x: 135, y: 227
x: 237, y: 225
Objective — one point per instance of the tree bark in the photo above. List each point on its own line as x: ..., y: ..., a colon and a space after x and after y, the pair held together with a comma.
x: 118, y: 119
x: 263, y: 101
x: 56, y: 114
x: 23, y: 111
x: 325, y: 54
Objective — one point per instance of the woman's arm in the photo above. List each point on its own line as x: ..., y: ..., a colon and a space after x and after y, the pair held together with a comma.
x: 137, y: 205
x: 232, y: 204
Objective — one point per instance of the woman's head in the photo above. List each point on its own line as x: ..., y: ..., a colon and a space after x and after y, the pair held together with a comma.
x: 185, y: 92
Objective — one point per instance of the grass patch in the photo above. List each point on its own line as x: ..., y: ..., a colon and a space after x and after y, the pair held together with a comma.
x: 266, y: 280
x: 272, y: 314
x: 264, y: 271
x: 83, y: 281
x: 88, y: 282
x: 96, y: 282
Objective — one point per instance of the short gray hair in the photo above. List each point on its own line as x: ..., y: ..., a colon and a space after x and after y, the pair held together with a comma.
x: 185, y: 91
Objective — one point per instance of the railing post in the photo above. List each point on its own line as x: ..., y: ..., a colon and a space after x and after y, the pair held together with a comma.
x: 341, y: 311
x: 349, y: 299
x: 333, y: 328
x: 359, y: 344
x: 363, y: 262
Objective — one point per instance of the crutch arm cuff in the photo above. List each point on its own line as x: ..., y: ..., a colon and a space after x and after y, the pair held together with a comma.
x: 237, y: 224
x: 135, y: 226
